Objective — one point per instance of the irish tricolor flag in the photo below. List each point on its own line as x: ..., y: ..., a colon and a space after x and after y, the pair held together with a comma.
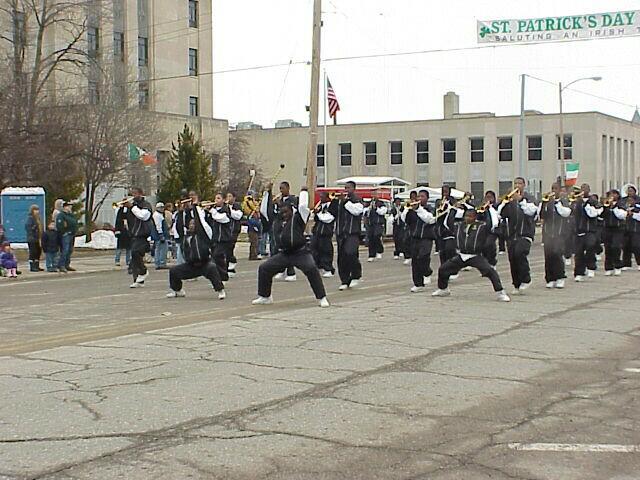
x: 137, y: 153
x: 571, y: 174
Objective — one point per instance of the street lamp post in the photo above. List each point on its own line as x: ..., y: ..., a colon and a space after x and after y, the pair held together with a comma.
x: 562, y: 161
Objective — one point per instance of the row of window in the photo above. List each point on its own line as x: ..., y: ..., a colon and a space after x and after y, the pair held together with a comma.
x: 449, y: 150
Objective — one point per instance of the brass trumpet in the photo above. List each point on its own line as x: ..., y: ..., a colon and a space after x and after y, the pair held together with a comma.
x: 573, y: 197
x: 122, y: 203
x: 484, y: 207
x: 509, y: 196
x: 207, y: 204
x: 549, y: 196
x: 607, y: 202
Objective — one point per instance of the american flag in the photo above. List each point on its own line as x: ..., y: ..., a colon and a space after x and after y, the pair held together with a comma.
x: 334, y: 106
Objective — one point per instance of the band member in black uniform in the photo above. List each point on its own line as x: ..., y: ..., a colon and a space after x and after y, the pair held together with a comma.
x: 408, y: 233
x: 631, y: 247
x: 347, y: 210
x: 398, y: 228
x: 614, y: 216
x: 196, y: 251
x: 375, y: 215
x: 445, y: 238
x: 585, y: 213
x: 570, y: 237
x: 322, y: 236
x: 293, y: 252
x: 519, y: 224
x: 420, y: 217
x: 219, y: 219
x: 139, y: 221
x: 488, y: 214
x: 554, y: 211
x: 271, y: 209
x: 123, y: 237
x: 235, y: 213
x: 470, y: 236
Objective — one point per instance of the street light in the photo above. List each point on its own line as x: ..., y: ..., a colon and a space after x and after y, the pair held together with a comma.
x: 563, y: 173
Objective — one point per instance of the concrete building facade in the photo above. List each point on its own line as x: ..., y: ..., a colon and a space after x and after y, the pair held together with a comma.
x: 472, y: 152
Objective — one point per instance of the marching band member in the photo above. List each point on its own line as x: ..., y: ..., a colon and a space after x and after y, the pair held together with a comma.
x: 586, y: 215
x: 196, y: 253
x: 421, y: 219
x: 408, y: 233
x: 181, y: 220
x: 219, y: 219
x: 271, y: 210
x: 235, y: 213
x: 614, y: 217
x: 398, y: 228
x: 375, y: 215
x: 518, y: 218
x: 554, y: 212
x: 470, y: 237
x: 348, y: 212
x: 489, y: 215
x: 445, y: 238
x: 322, y: 236
x: 631, y: 239
x: 139, y: 221
x: 293, y: 253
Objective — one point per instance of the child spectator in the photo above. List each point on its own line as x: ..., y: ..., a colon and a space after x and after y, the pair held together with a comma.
x: 3, y: 236
x: 8, y: 261
x: 50, y: 245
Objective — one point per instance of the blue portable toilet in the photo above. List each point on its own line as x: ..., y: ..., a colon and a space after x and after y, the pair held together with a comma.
x: 16, y: 202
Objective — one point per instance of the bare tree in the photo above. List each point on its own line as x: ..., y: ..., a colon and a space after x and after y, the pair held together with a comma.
x: 240, y: 166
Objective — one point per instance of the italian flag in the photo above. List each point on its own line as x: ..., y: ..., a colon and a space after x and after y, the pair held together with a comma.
x: 571, y: 174
x: 136, y: 154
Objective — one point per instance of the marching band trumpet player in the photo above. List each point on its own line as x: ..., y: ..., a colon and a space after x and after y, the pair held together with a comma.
x: 348, y: 210
x: 219, y: 218
x: 139, y: 221
x: 271, y: 211
x: 585, y: 212
x: 614, y: 217
x: 554, y: 211
x: 421, y: 219
x: 322, y: 236
x: 375, y: 217
x: 235, y: 213
x: 398, y: 228
x: 488, y: 214
x: 631, y: 246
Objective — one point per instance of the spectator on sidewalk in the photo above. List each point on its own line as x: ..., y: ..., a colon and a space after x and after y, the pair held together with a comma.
x: 254, y: 226
x: 123, y: 237
x: 3, y: 236
x: 168, y: 217
x: 51, y: 246
x: 67, y: 226
x: 161, y: 237
x: 8, y: 261
x: 34, y: 229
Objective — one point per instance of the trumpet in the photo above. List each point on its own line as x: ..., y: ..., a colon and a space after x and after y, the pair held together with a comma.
x: 509, y: 196
x: 443, y: 208
x: 573, y: 197
x: 549, y: 196
x: 122, y: 203
x: 463, y: 200
x: 484, y: 207
x: 607, y: 202
x: 207, y: 204
x: 334, y: 195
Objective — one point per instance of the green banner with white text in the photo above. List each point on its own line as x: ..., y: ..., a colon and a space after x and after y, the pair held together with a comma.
x: 558, y: 29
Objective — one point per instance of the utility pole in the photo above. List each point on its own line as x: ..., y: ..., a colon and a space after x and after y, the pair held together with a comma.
x: 314, y: 104
x: 522, y: 162
x: 561, y: 165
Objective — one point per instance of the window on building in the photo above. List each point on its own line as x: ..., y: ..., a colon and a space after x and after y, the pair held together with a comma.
x: 422, y: 151
x: 396, y: 153
x: 118, y: 46
x: 450, y: 184
x: 449, y: 150
x: 93, y: 41
x: 370, y: 153
x: 568, y: 146
x: 320, y: 155
x: 94, y: 93
x: 477, y: 190
x: 504, y: 187
x: 422, y: 184
x: 477, y: 149
x: 143, y: 96
x: 345, y: 154
x: 193, y: 62
x: 193, y: 13
x: 534, y: 145
x: 505, y: 149
x: 194, y: 110
x: 143, y: 51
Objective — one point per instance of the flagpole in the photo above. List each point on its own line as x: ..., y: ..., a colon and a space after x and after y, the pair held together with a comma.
x: 326, y: 147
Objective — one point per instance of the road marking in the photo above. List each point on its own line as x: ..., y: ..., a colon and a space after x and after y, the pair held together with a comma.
x: 632, y: 370
x: 575, y: 447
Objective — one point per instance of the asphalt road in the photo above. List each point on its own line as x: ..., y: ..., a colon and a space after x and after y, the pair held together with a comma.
x: 99, y: 381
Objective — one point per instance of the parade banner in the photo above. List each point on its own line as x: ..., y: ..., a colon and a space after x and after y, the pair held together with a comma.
x: 558, y: 29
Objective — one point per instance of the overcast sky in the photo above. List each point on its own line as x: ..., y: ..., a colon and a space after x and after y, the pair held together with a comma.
x: 249, y: 33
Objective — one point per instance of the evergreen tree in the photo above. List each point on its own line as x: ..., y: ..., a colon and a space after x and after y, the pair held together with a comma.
x: 189, y: 168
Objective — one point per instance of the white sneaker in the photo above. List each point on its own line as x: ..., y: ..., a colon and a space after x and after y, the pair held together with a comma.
x: 624, y: 269
x: 370, y: 259
x: 280, y: 277
x: 407, y: 262
x: 524, y: 286
x: 567, y: 262
x: 579, y: 278
x: 591, y: 273
x: 259, y: 257
x: 396, y: 257
x: 454, y: 277
x: 222, y: 295
x: 136, y: 285
x: 415, y: 289
x: 501, y: 252
x: 551, y: 285
x: 174, y: 294
x: 142, y: 278
x: 324, y: 303
x: 427, y: 280
x: 290, y: 278
x: 560, y: 283
x: 354, y: 283
x: 617, y: 272
x: 232, y: 266
x: 379, y: 256
x: 598, y: 258
x: 441, y: 293
x: 639, y: 268
x: 343, y: 287
x: 327, y: 274
x: 231, y: 274
x: 502, y: 296
x: 608, y: 273
x: 262, y: 301
x: 401, y: 255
